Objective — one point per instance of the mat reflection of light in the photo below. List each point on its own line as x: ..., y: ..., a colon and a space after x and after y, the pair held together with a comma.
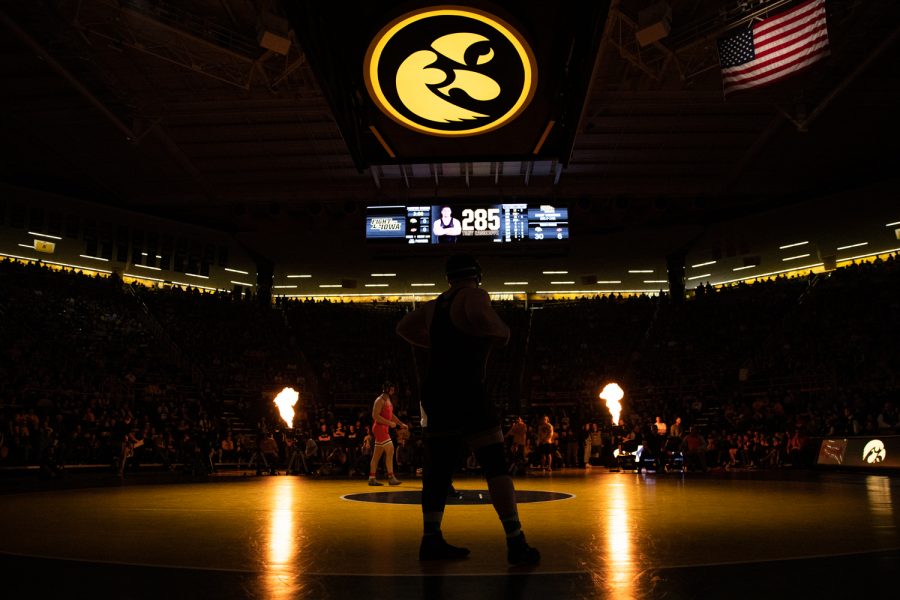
x: 620, y: 558
x: 281, y: 546
x: 878, y: 488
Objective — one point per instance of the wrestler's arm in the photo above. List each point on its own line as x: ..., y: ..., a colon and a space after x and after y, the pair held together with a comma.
x: 482, y: 317
x: 415, y: 325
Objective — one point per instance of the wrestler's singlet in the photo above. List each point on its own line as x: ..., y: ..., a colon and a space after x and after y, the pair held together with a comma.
x: 382, y: 432
x: 454, y: 392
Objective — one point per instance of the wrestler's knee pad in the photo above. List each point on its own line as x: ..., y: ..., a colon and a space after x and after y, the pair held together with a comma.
x: 492, y: 459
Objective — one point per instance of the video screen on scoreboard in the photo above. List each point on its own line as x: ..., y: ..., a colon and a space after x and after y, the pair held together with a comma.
x: 467, y: 223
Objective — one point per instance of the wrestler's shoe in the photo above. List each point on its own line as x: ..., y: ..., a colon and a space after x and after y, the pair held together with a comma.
x: 394, y: 481
x: 433, y: 547
x: 373, y: 482
x: 519, y: 553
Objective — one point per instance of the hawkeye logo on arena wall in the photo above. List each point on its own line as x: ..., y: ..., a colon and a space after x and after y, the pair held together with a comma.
x: 450, y: 71
x: 874, y: 452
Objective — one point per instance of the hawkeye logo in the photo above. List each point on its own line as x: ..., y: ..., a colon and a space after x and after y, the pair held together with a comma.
x: 450, y: 71
x: 874, y: 452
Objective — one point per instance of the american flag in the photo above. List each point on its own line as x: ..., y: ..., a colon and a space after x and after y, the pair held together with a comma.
x: 774, y: 47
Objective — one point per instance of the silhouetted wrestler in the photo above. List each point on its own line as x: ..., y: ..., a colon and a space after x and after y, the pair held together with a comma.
x: 459, y: 328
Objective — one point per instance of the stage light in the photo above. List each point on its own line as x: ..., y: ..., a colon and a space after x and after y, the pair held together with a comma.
x: 853, y: 246
x: 46, y: 235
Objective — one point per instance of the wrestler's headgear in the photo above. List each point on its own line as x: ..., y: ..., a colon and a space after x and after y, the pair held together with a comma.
x: 463, y: 266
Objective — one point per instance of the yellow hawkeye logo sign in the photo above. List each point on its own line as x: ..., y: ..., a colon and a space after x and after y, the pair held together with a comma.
x: 450, y: 71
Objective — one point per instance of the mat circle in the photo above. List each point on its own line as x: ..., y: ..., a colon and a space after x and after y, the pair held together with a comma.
x: 460, y: 497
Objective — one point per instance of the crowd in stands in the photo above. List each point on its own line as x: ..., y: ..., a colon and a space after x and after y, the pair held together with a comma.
x: 97, y: 371
x: 353, y: 349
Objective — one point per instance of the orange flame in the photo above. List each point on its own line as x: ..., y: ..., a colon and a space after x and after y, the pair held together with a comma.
x: 612, y: 393
x: 285, y: 402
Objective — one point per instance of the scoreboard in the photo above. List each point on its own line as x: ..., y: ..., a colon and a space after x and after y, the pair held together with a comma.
x: 467, y: 223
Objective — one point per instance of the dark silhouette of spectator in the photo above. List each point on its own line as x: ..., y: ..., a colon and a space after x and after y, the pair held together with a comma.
x: 694, y: 448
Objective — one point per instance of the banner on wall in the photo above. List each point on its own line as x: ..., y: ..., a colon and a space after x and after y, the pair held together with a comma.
x: 863, y: 452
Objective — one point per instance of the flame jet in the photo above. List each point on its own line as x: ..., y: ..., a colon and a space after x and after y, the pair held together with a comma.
x: 613, y: 393
x: 285, y: 401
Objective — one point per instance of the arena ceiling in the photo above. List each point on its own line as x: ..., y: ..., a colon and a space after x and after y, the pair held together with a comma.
x: 177, y: 109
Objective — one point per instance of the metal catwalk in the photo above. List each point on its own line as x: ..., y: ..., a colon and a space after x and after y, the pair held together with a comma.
x: 618, y: 535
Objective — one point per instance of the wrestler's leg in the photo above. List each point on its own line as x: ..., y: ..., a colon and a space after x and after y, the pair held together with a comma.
x: 373, y: 465
x: 389, y: 463
x: 442, y: 455
x: 488, y: 448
